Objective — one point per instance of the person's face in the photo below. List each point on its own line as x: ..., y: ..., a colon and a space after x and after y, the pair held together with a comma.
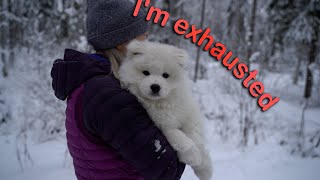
x: 142, y: 37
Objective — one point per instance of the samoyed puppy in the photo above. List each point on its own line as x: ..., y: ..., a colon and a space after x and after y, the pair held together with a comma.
x: 154, y: 73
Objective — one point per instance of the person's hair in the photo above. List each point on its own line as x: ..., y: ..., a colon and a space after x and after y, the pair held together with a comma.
x: 115, y: 56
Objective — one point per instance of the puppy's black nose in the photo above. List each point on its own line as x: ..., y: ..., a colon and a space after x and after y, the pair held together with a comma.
x: 155, y: 88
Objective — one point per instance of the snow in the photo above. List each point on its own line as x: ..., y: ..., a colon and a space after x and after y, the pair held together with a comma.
x: 263, y: 162
x: 29, y: 110
x: 59, y: 5
x: 48, y: 158
x: 254, y: 57
x: 157, y: 145
x: 219, y: 102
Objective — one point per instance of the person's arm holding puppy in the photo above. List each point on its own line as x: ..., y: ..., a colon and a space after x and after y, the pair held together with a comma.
x: 123, y: 123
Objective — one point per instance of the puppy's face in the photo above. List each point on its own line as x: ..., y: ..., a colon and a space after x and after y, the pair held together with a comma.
x: 152, y: 70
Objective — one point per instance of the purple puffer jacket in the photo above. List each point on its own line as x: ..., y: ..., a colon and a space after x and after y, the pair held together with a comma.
x: 109, y: 134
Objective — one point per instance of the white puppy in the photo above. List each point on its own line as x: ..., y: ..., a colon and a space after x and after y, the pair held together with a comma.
x: 154, y: 73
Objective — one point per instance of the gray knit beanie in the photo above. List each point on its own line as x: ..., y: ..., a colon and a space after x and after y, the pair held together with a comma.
x: 111, y: 23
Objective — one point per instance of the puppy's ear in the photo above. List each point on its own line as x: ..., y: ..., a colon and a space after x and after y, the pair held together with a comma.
x: 134, y: 48
x: 182, y: 57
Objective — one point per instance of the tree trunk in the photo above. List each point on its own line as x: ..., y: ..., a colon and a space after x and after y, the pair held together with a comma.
x: 199, y: 48
x: 176, y: 12
x: 309, y: 79
x: 235, y: 29
x: 4, y: 30
x: 251, y: 32
x: 297, y: 72
x: 13, y: 34
x: 307, y: 90
x: 302, y: 125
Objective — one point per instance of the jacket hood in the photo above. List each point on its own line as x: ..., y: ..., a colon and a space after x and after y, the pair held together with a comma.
x: 74, y: 69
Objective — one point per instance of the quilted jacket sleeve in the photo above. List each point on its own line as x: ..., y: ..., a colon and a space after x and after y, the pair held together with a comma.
x: 117, y: 117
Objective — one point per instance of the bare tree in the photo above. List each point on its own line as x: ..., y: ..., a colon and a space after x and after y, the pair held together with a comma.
x: 203, y: 10
x: 251, y: 32
x: 235, y: 26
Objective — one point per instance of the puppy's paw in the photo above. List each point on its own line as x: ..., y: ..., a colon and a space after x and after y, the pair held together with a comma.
x: 203, y: 173
x: 191, y: 157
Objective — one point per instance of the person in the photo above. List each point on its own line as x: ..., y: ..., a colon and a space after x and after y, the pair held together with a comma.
x: 109, y: 134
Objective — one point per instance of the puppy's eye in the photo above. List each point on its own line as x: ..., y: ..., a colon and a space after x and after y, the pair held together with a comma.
x: 165, y: 75
x: 146, y: 73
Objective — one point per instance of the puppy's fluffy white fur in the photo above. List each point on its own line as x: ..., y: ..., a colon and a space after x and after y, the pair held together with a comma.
x: 172, y: 107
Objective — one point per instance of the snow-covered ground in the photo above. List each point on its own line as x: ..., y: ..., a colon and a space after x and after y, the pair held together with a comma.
x: 266, y: 161
x: 28, y: 106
